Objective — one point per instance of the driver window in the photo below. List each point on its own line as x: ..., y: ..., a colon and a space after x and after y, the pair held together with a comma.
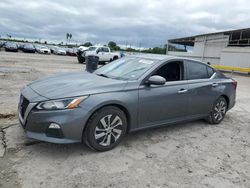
x: 172, y: 71
x: 101, y: 50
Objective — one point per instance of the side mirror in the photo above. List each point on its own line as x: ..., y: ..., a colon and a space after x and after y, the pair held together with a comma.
x: 156, y: 80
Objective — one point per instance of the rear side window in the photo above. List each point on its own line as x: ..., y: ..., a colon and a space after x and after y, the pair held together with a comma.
x: 197, y: 71
x: 105, y: 49
x: 210, y: 71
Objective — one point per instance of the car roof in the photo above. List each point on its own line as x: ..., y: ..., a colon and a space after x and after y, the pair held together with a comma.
x: 97, y: 46
x: 160, y: 57
x: 151, y: 56
x: 11, y: 43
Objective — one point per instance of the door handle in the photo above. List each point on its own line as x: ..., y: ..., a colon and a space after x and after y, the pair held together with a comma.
x: 182, y: 91
x: 215, y: 84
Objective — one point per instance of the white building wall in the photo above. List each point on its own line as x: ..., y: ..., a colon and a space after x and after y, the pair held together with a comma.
x: 207, y: 48
x: 236, y: 57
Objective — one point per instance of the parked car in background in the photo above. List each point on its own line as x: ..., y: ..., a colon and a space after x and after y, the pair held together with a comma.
x: 11, y: 47
x: 80, y: 55
x: 37, y: 47
x: 20, y: 46
x: 28, y: 48
x: 71, y: 51
x: 104, y: 53
x: 83, y: 48
x: 2, y: 44
x: 129, y: 94
x: 59, y: 51
x: 42, y: 49
x: 52, y: 49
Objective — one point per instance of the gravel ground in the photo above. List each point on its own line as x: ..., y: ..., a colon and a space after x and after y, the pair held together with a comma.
x: 193, y: 154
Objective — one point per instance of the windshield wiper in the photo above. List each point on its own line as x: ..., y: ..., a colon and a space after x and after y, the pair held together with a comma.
x: 103, y: 75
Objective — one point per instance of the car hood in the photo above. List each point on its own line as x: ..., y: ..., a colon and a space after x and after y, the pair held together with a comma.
x: 29, y: 48
x: 90, y: 53
x: 75, y: 84
x: 11, y: 47
x: 63, y: 51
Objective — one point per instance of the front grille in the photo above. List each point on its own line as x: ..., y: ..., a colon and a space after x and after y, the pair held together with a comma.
x: 23, y: 105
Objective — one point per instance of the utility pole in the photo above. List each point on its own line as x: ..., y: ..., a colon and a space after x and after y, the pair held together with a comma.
x: 167, y: 48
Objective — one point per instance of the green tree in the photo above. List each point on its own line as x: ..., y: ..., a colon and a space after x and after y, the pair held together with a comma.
x: 111, y: 44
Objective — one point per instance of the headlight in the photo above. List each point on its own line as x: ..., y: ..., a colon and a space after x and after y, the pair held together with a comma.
x: 61, y: 104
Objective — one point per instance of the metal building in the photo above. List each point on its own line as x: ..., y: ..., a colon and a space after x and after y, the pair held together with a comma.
x: 228, y: 50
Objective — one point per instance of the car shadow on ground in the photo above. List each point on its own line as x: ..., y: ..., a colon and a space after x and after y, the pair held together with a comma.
x: 135, y: 139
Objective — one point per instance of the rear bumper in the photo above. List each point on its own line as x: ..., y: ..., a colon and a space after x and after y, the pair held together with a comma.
x: 232, y: 100
x: 29, y: 50
x: 231, y: 104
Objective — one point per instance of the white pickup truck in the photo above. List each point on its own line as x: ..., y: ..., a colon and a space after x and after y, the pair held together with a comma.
x: 103, y: 52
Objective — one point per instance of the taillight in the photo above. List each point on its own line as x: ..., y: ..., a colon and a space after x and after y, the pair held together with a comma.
x: 234, y: 83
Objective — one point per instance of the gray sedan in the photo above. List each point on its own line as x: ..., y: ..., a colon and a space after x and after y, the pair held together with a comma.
x: 129, y: 94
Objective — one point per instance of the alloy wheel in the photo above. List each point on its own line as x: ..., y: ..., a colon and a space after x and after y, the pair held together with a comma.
x: 108, y: 130
x: 220, y: 110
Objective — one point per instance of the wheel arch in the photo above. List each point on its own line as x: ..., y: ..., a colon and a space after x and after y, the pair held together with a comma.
x: 118, y: 105
x: 227, y: 99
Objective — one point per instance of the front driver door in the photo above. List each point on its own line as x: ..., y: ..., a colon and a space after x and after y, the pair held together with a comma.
x: 106, y: 54
x: 163, y: 104
x: 101, y: 54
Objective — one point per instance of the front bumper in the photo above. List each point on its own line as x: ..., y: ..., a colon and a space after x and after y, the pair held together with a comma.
x: 36, y: 123
x: 45, y: 138
x: 71, y: 124
x: 29, y: 50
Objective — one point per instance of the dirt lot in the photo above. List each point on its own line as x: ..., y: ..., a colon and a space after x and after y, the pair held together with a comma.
x: 194, y: 154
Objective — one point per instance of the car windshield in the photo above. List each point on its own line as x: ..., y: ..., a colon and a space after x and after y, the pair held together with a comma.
x: 29, y: 45
x: 92, y: 49
x: 11, y: 44
x: 126, y: 68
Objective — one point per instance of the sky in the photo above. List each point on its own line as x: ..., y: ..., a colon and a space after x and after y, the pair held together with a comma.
x: 145, y: 23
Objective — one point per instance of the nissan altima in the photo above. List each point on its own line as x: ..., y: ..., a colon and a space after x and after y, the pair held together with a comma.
x: 129, y: 94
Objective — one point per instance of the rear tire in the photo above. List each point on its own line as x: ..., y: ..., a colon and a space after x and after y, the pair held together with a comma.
x: 102, y: 63
x: 218, y: 112
x: 105, y: 129
x: 115, y: 58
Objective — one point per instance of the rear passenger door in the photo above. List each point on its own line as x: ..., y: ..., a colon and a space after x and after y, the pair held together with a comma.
x: 202, y: 89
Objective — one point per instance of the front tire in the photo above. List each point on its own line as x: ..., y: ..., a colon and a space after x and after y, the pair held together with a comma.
x: 115, y: 58
x: 80, y: 59
x: 218, y: 112
x: 105, y: 129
